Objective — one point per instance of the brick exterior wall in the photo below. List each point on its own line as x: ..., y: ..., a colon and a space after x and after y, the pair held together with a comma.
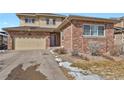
x: 13, y: 35
x: 81, y: 43
x: 66, y: 42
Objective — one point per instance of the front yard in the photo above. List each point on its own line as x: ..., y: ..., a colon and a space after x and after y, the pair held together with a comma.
x: 107, y: 69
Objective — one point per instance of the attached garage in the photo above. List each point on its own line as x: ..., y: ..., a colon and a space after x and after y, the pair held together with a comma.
x: 25, y: 43
x: 32, y: 38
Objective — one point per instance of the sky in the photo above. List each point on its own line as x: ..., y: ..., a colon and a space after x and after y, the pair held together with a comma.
x: 11, y: 20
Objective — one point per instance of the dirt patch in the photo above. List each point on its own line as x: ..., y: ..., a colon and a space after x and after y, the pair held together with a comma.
x: 107, y: 69
x: 29, y: 74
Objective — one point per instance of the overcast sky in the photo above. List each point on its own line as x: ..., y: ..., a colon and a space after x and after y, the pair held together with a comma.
x: 11, y: 20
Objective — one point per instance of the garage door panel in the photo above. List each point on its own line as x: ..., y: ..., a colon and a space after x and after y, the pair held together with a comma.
x: 30, y: 43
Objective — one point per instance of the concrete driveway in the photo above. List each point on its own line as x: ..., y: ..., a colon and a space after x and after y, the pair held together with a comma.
x: 48, y: 66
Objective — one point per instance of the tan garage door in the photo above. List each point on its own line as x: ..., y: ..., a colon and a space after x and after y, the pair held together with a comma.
x: 30, y: 43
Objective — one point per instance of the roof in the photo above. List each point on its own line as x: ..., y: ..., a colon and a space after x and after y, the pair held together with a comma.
x: 40, y: 14
x: 3, y: 33
x: 118, y: 30
x: 28, y: 28
x: 84, y: 18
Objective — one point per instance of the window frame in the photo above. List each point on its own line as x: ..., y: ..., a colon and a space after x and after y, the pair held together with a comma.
x: 54, y: 21
x: 33, y: 20
x: 47, y: 21
x: 83, y: 29
x: 26, y: 20
x: 30, y: 20
x: 97, y: 25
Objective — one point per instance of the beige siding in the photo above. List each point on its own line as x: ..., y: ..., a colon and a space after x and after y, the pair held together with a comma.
x: 43, y: 22
x: 22, y: 22
x: 40, y: 21
x: 30, y: 43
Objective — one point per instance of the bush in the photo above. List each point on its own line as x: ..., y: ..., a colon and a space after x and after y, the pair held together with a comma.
x: 95, y: 49
x: 74, y: 53
x: 60, y: 51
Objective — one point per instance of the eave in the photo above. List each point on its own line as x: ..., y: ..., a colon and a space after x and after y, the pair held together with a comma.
x: 28, y: 28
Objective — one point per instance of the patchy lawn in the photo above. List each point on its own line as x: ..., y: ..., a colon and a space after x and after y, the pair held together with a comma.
x: 107, y: 69
x: 29, y: 74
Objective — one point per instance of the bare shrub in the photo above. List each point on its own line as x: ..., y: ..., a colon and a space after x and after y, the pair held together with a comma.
x: 60, y: 51
x: 74, y: 53
x: 95, y: 49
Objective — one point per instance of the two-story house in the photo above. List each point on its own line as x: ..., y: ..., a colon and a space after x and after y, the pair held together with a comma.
x: 36, y: 31
x: 74, y: 33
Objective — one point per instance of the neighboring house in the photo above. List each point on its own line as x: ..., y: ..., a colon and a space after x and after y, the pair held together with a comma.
x: 3, y: 40
x: 80, y: 33
x: 36, y: 31
x: 119, y: 36
x: 119, y: 31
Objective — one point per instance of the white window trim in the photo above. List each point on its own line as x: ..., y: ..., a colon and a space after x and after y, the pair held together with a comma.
x: 97, y: 30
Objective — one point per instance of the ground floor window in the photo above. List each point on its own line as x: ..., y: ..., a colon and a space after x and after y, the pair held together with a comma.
x: 93, y: 30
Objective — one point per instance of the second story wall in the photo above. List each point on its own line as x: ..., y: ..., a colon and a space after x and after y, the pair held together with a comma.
x: 42, y: 21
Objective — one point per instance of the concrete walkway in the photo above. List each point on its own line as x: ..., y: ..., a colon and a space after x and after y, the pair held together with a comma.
x: 48, y: 66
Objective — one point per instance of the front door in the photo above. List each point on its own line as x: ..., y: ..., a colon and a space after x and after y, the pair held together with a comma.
x: 53, y: 40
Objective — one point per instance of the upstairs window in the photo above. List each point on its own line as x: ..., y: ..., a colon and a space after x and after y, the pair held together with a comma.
x: 47, y: 21
x: 29, y: 20
x: 93, y: 30
x: 26, y: 20
x: 54, y: 22
x: 33, y: 20
x: 50, y: 21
